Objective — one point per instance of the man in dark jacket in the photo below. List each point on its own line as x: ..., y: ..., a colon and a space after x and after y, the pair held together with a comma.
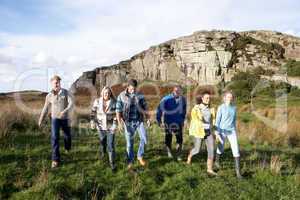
x: 173, y: 110
x: 131, y: 109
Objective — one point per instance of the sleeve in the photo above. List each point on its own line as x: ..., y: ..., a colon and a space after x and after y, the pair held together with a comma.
x: 93, y: 114
x: 119, y: 104
x: 70, y: 103
x: 159, y: 111
x: 184, y: 109
x: 45, y: 109
x: 218, y: 118
x: 213, y: 116
x: 198, y: 114
x: 234, y: 118
x: 144, y: 103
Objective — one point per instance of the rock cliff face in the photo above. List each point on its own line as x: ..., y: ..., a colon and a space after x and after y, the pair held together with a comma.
x: 205, y: 58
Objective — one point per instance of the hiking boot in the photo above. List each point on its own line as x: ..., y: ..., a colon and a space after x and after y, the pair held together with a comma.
x: 237, y: 167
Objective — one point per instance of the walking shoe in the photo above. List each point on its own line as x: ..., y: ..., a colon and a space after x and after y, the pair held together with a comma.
x: 129, y: 167
x: 142, y: 161
x: 54, y: 164
x: 169, y: 152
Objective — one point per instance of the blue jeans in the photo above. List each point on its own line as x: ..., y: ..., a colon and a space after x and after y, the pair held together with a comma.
x: 130, y: 130
x: 55, y: 128
x: 107, y: 141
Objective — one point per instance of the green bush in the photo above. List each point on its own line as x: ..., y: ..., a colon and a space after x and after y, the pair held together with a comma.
x: 295, y: 91
x: 292, y: 68
x: 242, y: 84
x: 275, y: 89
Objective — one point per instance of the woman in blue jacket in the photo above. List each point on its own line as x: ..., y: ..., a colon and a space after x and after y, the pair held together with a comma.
x: 226, y: 128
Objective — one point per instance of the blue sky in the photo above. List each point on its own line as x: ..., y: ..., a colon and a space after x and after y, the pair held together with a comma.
x: 39, y: 38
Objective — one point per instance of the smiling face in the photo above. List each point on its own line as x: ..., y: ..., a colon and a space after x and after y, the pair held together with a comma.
x: 228, y: 98
x: 206, y: 98
x: 55, y: 85
x: 177, y: 91
x: 131, y: 89
x: 106, y: 94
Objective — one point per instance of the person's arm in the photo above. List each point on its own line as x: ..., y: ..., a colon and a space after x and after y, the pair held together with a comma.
x: 218, y: 119
x: 93, y: 114
x: 145, y: 107
x: 159, y: 111
x: 70, y: 103
x: 213, y: 116
x: 183, y: 108
x: 234, y: 118
x: 44, y: 111
x: 119, y: 111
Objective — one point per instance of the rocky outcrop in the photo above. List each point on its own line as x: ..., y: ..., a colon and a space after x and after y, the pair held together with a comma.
x: 205, y: 58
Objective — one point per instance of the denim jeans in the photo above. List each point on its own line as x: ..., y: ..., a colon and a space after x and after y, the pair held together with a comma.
x: 107, y: 141
x: 58, y: 124
x: 130, y: 130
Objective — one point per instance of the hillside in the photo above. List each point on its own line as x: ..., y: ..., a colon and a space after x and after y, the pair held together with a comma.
x: 203, y: 58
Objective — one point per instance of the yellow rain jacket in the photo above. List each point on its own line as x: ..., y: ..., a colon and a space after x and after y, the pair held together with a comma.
x: 196, y: 125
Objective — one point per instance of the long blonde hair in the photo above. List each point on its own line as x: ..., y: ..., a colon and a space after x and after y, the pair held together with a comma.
x: 111, y: 95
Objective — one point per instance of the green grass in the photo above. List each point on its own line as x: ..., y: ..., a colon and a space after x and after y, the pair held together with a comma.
x: 25, y: 172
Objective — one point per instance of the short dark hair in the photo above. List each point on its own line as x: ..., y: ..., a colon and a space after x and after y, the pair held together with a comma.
x: 205, y: 92
x: 198, y: 99
x: 132, y: 82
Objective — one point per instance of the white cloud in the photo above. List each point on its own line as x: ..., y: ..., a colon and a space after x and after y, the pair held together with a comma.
x: 106, y: 32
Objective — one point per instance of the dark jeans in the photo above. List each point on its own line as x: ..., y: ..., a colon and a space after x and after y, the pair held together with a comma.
x: 170, y: 130
x: 55, y: 129
x: 107, y: 141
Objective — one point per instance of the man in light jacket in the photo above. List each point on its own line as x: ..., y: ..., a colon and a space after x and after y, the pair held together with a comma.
x: 61, y: 102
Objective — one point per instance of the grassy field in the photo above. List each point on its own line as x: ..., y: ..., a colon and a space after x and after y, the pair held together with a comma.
x: 269, y: 158
x: 25, y: 173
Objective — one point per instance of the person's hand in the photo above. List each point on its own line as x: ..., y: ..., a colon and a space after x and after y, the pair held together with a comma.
x: 40, y: 123
x: 121, y: 126
x: 161, y: 125
x: 93, y: 125
x: 148, y: 123
x: 218, y: 137
x: 61, y: 114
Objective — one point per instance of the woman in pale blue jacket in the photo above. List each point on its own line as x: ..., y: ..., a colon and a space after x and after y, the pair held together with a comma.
x: 226, y: 128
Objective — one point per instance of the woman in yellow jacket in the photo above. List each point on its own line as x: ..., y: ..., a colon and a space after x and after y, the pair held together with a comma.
x: 202, y: 120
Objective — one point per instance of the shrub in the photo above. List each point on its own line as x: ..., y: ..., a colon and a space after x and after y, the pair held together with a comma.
x: 15, y: 120
x: 295, y: 91
x: 292, y: 67
x: 242, y: 84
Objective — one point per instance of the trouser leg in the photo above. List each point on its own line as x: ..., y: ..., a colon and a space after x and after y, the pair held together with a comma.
x: 55, y: 126
x: 143, y: 140
x: 67, y: 134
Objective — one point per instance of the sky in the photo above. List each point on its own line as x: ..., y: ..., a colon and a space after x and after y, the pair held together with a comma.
x: 40, y: 38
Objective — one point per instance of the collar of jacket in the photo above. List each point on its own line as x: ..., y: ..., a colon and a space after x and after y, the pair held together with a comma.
x: 59, y: 92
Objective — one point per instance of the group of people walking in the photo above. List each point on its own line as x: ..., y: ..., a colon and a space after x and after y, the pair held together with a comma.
x: 128, y: 113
